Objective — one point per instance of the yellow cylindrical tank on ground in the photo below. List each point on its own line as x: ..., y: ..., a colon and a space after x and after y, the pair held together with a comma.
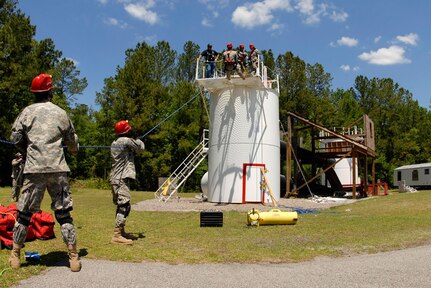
x: 272, y: 217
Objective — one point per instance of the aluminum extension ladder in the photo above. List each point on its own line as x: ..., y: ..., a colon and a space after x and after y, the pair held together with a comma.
x: 184, y: 170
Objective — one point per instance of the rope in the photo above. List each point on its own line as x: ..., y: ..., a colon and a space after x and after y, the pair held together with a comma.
x: 7, y: 142
x: 6, y: 213
x: 140, y: 137
x: 100, y: 146
x: 172, y: 114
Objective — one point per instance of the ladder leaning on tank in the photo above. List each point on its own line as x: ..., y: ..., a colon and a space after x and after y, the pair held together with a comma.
x: 184, y: 170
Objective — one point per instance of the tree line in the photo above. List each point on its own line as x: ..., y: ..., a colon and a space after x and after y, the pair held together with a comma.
x: 155, y: 80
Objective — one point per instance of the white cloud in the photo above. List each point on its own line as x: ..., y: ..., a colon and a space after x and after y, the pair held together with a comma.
x: 309, y: 13
x: 259, y: 13
x: 103, y: 2
x: 312, y: 14
x: 377, y: 39
x: 339, y: 16
x: 276, y: 27
x: 213, y: 8
x: 141, y: 10
x: 206, y: 22
x: 305, y: 6
x: 345, y: 67
x: 410, y: 39
x: 347, y: 41
x: 115, y: 22
x: 386, y: 56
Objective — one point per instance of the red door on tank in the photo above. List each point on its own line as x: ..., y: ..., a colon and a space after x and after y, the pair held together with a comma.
x: 252, y: 182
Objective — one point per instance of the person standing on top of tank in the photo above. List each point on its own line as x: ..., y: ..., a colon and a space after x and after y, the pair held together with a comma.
x: 242, y: 59
x: 230, y: 60
x: 210, y: 57
x: 123, y: 171
x: 253, y: 58
x: 39, y: 133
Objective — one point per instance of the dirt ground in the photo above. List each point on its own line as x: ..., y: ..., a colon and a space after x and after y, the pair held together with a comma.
x: 182, y: 204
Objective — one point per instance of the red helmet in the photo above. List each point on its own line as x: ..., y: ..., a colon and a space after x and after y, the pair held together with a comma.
x: 229, y: 45
x: 122, y: 127
x: 241, y: 46
x: 252, y: 46
x: 42, y: 83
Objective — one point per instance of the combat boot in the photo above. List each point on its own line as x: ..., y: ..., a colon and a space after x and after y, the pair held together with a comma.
x: 75, y: 264
x: 127, y: 235
x: 14, y: 259
x: 118, y: 239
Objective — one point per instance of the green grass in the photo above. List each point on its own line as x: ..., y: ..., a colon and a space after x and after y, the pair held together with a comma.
x: 372, y: 225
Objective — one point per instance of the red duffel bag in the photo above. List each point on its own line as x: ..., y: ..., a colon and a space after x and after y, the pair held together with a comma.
x: 41, y: 225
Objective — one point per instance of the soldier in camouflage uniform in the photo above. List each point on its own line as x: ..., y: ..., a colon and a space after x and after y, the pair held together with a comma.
x: 253, y: 58
x: 242, y: 59
x: 230, y: 60
x: 123, y: 171
x: 17, y: 175
x: 39, y: 132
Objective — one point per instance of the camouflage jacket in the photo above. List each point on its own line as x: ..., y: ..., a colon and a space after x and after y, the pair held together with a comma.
x: 40, y: 131
x: 123, y: 159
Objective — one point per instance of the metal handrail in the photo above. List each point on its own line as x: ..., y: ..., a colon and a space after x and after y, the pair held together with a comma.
x: 184, y: 170
x: 218, y: 73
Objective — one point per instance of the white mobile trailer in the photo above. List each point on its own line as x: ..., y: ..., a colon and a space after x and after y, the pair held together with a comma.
x: 416, y: 175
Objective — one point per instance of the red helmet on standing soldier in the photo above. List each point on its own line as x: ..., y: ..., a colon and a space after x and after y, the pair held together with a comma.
x: 42, y: 83
x: 252, y: 46
x: 122, y: 127
x: 229, y: 45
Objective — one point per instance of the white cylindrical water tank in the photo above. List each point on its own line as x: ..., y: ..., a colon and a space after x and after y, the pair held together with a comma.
x: 204, y: 184
x: 243, y: 138
x: 344, y: 170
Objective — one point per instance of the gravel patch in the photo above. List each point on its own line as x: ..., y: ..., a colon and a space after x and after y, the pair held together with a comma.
x: 193, y: 204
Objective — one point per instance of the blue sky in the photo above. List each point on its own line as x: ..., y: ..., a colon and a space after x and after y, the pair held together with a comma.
x: 374, y: 38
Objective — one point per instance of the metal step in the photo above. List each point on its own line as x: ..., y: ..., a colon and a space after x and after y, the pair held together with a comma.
x: 183, y: 171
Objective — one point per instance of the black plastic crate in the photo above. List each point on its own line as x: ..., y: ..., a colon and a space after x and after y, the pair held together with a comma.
x: 211, y: 219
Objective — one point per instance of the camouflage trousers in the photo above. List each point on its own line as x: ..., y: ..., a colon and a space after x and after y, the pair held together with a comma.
x: 16, y: 190
x: 120, y: 197
x: 230, y: 70
x: 31, y: 197
x: 120, y: 191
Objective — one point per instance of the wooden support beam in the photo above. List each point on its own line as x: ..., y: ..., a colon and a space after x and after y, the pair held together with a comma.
x: 324, y: 170
x: 289, y: 155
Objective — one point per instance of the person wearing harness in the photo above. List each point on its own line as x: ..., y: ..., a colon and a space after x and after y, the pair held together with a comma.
x: 242, y: 59
x: 123, y: 171
x: 210, y: 57
x: 17, y: 176
x: 253, y: 58
x: 39, y: 132
x: 230, y: 60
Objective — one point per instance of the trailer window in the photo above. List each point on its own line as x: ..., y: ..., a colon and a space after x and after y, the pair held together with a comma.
x: 427, y: 171
x: 415, y: 175
x: 399, y: 176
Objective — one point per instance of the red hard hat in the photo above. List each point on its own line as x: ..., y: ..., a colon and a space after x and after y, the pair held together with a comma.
x: 251, y: 46
x: 229, y: 45
x: 122, y: 127
x: 42, y: 83
x: 241, y: 46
